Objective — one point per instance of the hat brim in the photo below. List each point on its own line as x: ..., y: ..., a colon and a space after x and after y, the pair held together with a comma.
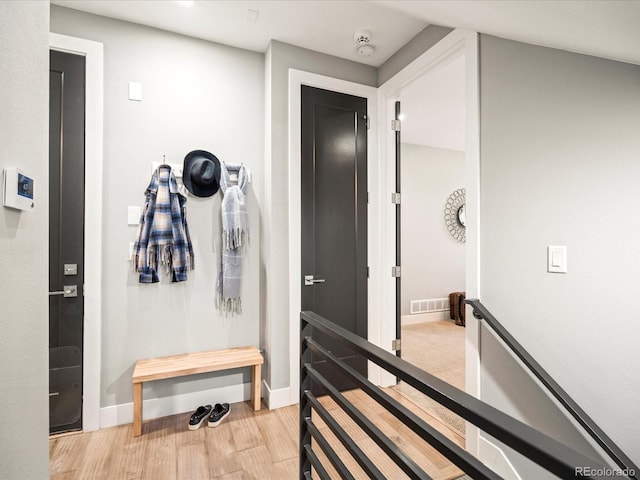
x: 194, y: 188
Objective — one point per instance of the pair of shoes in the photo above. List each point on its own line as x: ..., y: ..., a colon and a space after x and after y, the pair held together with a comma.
x: 199, y: 416
x: 215, y: 415
x: 219, y: 413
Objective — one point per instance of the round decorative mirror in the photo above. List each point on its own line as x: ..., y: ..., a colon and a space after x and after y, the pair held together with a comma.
x: 461, y: 217
x: 454, y: 215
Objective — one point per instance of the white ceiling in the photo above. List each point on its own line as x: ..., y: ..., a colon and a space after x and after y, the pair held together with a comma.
x: 604, y: 28
x: 433, y: 106
x: 324, y: 26
x: 607, y: 28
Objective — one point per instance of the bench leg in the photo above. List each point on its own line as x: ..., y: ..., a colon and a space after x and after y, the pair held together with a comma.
x: 137, y: 409
x: 256, y: 380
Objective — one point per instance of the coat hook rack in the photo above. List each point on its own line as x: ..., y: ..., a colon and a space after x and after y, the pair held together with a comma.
x: 233, y: 174
x: 175, y: 167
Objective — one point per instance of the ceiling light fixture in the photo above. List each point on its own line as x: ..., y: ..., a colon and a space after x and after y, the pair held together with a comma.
x: 363, y: 43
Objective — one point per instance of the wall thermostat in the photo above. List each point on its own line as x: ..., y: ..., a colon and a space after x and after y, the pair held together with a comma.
x: 18, y: 189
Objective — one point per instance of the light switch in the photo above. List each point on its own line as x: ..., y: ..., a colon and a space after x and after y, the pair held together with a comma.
x: 135, y: 91
x: 133, y: 216
x: 556, y: 259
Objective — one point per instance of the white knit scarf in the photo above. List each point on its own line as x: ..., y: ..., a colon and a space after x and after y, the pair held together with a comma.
x: 235, y: 235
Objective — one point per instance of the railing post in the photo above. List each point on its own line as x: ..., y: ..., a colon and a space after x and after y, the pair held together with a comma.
x: 305, y: 406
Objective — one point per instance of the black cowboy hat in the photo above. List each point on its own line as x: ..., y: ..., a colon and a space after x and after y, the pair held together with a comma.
x: 201, y: 173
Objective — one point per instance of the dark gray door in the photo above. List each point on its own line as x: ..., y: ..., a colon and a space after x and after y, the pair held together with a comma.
x: 66, y: 239
x: 398, y: 141
x: 334, y: 217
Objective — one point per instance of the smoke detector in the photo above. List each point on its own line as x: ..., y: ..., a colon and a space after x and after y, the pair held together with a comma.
x: 363, y: 43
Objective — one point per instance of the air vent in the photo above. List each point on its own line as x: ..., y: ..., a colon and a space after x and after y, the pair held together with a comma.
x: 429, y: 305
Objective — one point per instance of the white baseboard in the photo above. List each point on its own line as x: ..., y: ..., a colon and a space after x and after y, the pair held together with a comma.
x: 278, y: 398
x: 163, y: 406
x: 494, y: 458
x: 424, y: 317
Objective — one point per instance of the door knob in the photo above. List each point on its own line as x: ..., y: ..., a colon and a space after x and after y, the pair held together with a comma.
x: 309, y: 280
x: 69, y: 291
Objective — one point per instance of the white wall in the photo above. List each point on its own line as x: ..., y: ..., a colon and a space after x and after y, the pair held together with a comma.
x: 24, y: 247
x: 196, y: 95
x: 560, y: 165
x: 433, y: 262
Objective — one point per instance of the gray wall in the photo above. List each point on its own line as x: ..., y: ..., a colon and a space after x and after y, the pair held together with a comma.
x: 433, y: 262
x: 559, y: 152
x: 505, y: 383
x: 280, y: 58
x: 415, y: 47
x: 196, y: 95
x: 24, y: 316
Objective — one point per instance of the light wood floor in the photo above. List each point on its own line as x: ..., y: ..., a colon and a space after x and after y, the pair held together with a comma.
x: 247, y: 445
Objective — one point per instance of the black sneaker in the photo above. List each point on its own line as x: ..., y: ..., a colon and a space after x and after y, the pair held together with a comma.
x: 219, y: 413
x: 199, y: 416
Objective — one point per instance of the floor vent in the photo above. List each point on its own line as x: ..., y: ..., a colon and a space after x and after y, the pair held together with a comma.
x: 429, y: 305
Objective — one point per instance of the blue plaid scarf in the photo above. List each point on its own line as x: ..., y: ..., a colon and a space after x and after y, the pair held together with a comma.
x: 163, y: 236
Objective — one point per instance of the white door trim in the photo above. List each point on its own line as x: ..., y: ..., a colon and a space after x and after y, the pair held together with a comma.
x: 458, y: 42
x: 93, y: 51
x: 298, y: 78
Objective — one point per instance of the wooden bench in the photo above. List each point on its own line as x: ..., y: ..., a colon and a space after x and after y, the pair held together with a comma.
x: 190, y: 364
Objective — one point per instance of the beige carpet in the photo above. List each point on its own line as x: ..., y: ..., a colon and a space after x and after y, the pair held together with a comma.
x: 438, y: 348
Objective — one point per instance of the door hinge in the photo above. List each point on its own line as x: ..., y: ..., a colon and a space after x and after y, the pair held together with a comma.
x: 395, y: 198
x: 396, y: 344
x: 367, y: 122
x: 395, y: 271
x: 368, y: 200
x: 395, y: 125
x: 368, y: 272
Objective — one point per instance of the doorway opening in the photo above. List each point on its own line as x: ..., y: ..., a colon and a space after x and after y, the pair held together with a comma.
x: 297, y: 79
x: 334, y: 260
x: 66, y: 240
x: 458, y: 43
x: 433, y: 181
x: 93, y: 141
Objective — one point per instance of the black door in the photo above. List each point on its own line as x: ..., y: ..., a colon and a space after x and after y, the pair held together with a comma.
x: 66, y: 239
x: 398, y: 143
x: 334, y: 218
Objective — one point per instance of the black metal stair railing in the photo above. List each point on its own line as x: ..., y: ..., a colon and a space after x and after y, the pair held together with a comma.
x: 538, y: 447
x: 590, y: 426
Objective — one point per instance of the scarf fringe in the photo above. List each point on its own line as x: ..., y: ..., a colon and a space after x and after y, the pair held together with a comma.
x: 230, y: 306
x: 234, y: 239
x: 158, y: 255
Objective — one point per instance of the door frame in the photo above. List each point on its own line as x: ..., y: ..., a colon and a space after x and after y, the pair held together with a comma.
x: 298, y: 78
x: 93, y: 52
x: 458, y: 42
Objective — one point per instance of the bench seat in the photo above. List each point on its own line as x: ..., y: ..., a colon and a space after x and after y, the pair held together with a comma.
x: 190, y: 364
